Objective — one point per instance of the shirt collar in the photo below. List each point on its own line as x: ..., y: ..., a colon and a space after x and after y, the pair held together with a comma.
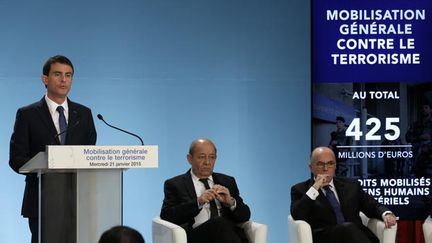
x: 52, y: 106
x: 332, y: 184
x: 196, y: 178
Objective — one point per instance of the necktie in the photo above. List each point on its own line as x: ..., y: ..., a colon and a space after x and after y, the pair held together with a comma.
x: 213, y: 207
x: 335, y: 204
x: 62, y: 124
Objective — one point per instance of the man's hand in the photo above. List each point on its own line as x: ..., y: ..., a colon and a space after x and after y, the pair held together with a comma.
x: 389, y: 220
x: 207, y: 196
x: 223, y: 195
x: 321, y: 180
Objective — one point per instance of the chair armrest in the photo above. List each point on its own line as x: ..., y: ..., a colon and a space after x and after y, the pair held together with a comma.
x: 364, y: 219
x: 378, y: 228
x: 167, y: 232
x: 385, y: 235
x: 299, y: 231
x: 256, y: 232
x: 427, y: 230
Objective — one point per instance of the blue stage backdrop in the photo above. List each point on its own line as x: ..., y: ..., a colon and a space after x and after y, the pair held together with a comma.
x: 171, y: 71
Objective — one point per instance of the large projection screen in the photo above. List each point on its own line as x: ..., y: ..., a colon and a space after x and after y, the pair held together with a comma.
x: 372, y: 98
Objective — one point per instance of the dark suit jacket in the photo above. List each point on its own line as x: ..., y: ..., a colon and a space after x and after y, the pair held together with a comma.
x: 319, y: 214
x: 180, y: 204
x: 34, y: 130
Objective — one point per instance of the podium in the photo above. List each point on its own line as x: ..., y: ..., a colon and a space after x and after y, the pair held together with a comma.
x: 81, y: 188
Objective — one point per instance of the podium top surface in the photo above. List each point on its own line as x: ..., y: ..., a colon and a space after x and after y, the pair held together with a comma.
x: 38, y: 162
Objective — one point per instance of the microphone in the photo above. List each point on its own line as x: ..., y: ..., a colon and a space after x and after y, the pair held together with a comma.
x: 100, y: 117
x: 66, y: 130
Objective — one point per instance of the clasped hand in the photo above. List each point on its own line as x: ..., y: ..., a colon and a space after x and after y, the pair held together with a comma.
x: 221, y: 193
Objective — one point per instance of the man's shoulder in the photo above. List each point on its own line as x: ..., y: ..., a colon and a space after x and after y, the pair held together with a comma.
x: 303, y: 184
x: 31, y: 106
x: 221, y: 175
x: 40, y: 103
x: 346, y: 181
x: 177, y: 177
x: 78, y: 106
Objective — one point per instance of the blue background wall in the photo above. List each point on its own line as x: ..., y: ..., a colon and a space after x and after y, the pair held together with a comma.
x: 171, y: 71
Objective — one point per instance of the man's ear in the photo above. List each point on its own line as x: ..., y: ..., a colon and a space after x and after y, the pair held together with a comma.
x: 44, y: 79
x: 189, y: 158
x: 310, y: 167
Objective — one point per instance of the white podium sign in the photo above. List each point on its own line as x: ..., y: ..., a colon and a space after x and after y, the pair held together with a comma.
x: 102, y: 157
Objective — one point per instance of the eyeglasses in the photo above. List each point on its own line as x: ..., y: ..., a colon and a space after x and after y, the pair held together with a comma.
x: 321, y: 165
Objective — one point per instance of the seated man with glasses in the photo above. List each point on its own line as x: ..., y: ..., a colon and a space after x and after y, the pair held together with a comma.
x: 205, y: 203
x: 331, y: 205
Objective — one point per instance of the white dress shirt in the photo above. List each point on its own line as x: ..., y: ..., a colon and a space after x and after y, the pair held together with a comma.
x: 204, y: 214
x: 52, y: 107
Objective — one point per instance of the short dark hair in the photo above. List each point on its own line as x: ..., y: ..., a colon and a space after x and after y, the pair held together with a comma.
x: 121, y: 234
x: 56, y: 59
x: 340, y: 118
x: 196, y: 141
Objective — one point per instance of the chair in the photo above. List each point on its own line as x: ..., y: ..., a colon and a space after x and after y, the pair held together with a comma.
x: 300, y: 231
x: 167, y: 232
x: 427, y: 230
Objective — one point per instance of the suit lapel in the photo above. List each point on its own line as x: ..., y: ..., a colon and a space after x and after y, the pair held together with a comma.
x: 340, y: 189
x: 341, y: 192
x: 72, y: 121
x: 190, y: 188
x: 45, y: 115
x: 216, y: 179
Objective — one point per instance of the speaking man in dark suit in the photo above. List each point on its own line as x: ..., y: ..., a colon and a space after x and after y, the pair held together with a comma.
x: 53, y: 120
x: 332, y: 205
x: 206, y: 204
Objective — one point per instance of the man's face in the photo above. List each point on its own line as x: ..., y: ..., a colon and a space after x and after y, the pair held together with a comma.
x: 58, y: 81
x: 426, y: 110
x: 203, y: 159
x: 340, y: 124
x: 323, y: 162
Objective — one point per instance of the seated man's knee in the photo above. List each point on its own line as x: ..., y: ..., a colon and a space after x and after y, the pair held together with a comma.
x: 351, y: 232
x: 348, y: 228
x: 348, y: 225
x: 221, y: 223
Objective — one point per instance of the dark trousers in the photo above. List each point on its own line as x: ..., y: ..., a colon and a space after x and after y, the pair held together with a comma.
x: 217, y: 230
x: 58, y: 210
x: 343, y: 233
x: 33, y: 225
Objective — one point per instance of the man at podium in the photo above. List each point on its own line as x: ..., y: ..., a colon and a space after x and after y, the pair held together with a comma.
x: 53, y: 120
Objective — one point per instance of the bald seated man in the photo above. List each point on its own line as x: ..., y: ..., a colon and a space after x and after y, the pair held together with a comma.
x: 205, y: 203
x: 331, y: 205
